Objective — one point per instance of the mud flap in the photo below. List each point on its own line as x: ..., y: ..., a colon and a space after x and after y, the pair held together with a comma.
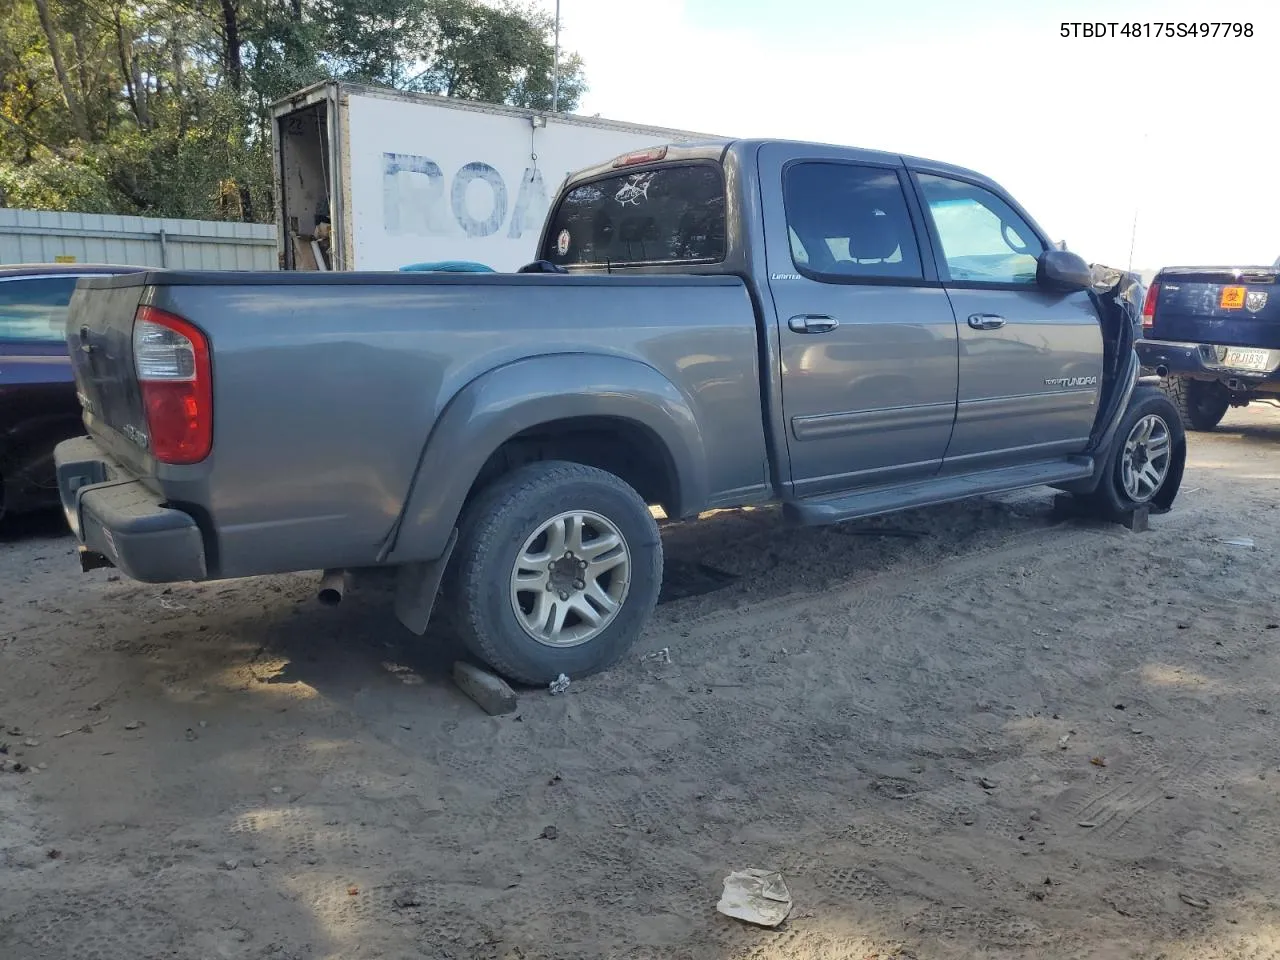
x: 417, y: 585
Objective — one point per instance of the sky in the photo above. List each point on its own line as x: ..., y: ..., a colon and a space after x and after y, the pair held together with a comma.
x: 1182, y: 134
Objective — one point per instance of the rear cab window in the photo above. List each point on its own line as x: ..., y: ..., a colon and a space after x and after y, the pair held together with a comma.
x: 659, y: 215
x: 34, y: 310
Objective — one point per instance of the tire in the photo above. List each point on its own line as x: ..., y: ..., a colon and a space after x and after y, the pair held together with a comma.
x: 1200, y: 403
x: 1115, y: 494
x: 520, y: 516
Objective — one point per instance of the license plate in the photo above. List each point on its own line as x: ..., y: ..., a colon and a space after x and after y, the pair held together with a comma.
x: 1248, y: 359
x: 1232, y: 298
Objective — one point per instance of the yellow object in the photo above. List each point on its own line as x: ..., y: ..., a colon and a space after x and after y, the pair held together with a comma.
x: 1232, y: 298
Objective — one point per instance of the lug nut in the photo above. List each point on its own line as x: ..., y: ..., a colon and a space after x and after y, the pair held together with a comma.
x: 564, y: 596
x: 578, y: 584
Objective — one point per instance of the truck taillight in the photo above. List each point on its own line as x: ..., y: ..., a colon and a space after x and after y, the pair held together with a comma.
x: 1149, y: 306
x: 171, y: 358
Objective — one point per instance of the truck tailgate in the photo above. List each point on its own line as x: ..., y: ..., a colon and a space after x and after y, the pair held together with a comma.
x: 100, y: 338
x: 1234, y: 308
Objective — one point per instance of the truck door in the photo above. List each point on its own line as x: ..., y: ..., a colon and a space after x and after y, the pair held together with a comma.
x: 867, y: 338
x: 1030, y: 357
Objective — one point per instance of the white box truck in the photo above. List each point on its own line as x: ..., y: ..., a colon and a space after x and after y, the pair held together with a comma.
x: 375, y: 179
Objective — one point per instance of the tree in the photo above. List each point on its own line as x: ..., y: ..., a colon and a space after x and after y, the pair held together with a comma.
x: 162, y: 107
x: 456, y: 48
x: 69, y: 95
x: 500, y: 55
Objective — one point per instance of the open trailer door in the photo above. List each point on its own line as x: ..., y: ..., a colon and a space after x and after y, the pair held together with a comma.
x: 306, y: 151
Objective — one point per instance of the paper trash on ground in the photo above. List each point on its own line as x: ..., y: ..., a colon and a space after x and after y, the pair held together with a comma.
x: 756, y: 896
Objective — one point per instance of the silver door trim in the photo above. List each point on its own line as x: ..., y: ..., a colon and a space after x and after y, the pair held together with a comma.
x: 830, y: 426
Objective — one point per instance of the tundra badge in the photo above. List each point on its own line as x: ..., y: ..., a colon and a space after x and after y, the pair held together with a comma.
x: 1072, y: 381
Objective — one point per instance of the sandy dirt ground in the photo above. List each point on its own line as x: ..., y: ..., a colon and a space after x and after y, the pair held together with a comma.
x: 970, y: 731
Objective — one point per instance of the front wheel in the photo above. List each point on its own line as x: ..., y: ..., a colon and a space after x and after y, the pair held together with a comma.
x: 1147, y: 456
x: 557, y: 568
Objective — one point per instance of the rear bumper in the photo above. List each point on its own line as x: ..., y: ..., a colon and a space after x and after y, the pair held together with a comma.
x: 117, y: 516
x: 1200, y: 360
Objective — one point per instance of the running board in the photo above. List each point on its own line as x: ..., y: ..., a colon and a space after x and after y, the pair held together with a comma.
x: 817, y: 511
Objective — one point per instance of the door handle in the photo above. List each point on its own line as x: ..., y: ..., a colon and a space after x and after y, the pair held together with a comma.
x: 986, y: 321
x: 810, y: 323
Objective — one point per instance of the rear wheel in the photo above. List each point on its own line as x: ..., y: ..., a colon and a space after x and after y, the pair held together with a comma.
x: 1200, y: 403
x: 557, y: 568
x: 1145, y: 463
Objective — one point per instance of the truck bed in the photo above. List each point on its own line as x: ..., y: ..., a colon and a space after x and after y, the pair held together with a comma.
x: 327, y: 388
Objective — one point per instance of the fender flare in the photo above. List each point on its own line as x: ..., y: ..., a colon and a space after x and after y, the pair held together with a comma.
x: 507, y: 400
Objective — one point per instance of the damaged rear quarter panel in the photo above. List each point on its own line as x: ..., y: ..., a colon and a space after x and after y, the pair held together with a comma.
x: 325, y: 393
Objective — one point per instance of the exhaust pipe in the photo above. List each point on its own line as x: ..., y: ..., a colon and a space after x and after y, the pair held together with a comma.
x: 1162, y: 371
x: 92, y: 560
x: 333, y: 585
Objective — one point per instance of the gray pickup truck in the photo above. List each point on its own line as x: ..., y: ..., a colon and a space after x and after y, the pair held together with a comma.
x: 712, y: 325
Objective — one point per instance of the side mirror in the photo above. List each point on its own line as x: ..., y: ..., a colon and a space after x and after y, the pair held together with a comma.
x: 1063, y: 270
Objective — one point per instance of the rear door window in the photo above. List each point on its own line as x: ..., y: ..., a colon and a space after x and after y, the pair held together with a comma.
x: 663, y: 215
x: 35, y: 310
x: 849, y: 223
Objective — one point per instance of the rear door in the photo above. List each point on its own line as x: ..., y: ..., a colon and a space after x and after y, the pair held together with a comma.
x: 867, y: 338
x: 1031, y: 358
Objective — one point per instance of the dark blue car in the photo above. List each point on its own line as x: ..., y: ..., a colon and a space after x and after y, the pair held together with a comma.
x: 1213, y: 335
x: 38, y: 406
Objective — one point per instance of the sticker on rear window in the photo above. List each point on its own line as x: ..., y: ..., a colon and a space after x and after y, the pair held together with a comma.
x: 562, y: 242
x: 1232, y: 298
x: 635, y: 189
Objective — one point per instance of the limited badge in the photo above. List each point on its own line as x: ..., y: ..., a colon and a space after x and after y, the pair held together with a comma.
x: 1255, y: 301
x: 562, y: 242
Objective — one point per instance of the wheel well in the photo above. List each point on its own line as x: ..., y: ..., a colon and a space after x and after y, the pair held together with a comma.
x: 628, y: 450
